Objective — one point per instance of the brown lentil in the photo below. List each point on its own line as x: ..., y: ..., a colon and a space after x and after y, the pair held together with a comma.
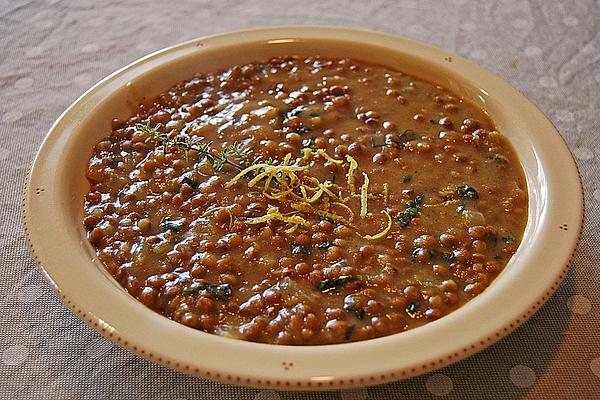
x: 168, y: 229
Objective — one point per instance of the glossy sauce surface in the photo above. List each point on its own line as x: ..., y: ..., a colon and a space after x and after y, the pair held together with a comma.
x: 305, y: 201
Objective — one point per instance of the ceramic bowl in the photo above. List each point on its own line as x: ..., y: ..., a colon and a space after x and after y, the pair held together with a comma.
x: 53, y: 210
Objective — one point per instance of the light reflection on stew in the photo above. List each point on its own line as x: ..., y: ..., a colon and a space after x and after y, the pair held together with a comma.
x: 305, y: 201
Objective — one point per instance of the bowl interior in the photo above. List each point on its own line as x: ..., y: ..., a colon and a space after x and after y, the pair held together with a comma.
x: 122, y: 103
x: 70, y: 262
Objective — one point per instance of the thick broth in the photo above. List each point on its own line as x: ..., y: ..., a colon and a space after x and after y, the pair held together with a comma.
x: 351, y: 201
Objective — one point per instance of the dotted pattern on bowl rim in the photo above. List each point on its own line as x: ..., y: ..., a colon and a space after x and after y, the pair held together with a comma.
x: 291, y: 384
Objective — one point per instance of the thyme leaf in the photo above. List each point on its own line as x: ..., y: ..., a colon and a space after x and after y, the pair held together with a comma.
x: 234, y: 155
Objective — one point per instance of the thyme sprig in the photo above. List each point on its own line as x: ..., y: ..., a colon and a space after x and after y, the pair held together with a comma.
x: 234, y: 155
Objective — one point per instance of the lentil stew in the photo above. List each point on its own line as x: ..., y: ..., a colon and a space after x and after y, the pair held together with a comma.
x: 305, y: 200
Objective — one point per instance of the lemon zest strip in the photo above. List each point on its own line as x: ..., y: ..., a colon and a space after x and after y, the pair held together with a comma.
x: 324, y: 154
x: 350, y: 175
x: 215, y: 209
x: 364, y: 190
x: 384, y: 232
x: 273, y: 214
x: 345, y: 207
x: 267, y: 170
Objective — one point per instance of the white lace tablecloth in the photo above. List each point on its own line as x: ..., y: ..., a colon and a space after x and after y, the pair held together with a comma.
x: 52, y: 51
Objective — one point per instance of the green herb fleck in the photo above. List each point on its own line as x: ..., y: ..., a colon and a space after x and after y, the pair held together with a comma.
x: 181, y: 279
x: 287, y: 114
x: 400, y: 139
x: 406, y: 136
x: 328, y: 285
x: 407, y: 178
x: 497, y: 157
x: 443, y: 256
x: 221, y: 292
x: 173, y: 225
x: 296, y: 250
x: 235, y: 151
x: 113, y: 158
x: 349, y: 332
x: 234, y: 155
x: 295, y: 112
x: 412, y: 308
x: 378, y: 141
x: 411, y: 212
x: 303, y: 130
x: 310, y: 142
x: 324, y: 245
x: 328, y: 217
x: 190, y: 182
x: 508, y: 239
x: 352, y: 308
x: 467, y: 192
